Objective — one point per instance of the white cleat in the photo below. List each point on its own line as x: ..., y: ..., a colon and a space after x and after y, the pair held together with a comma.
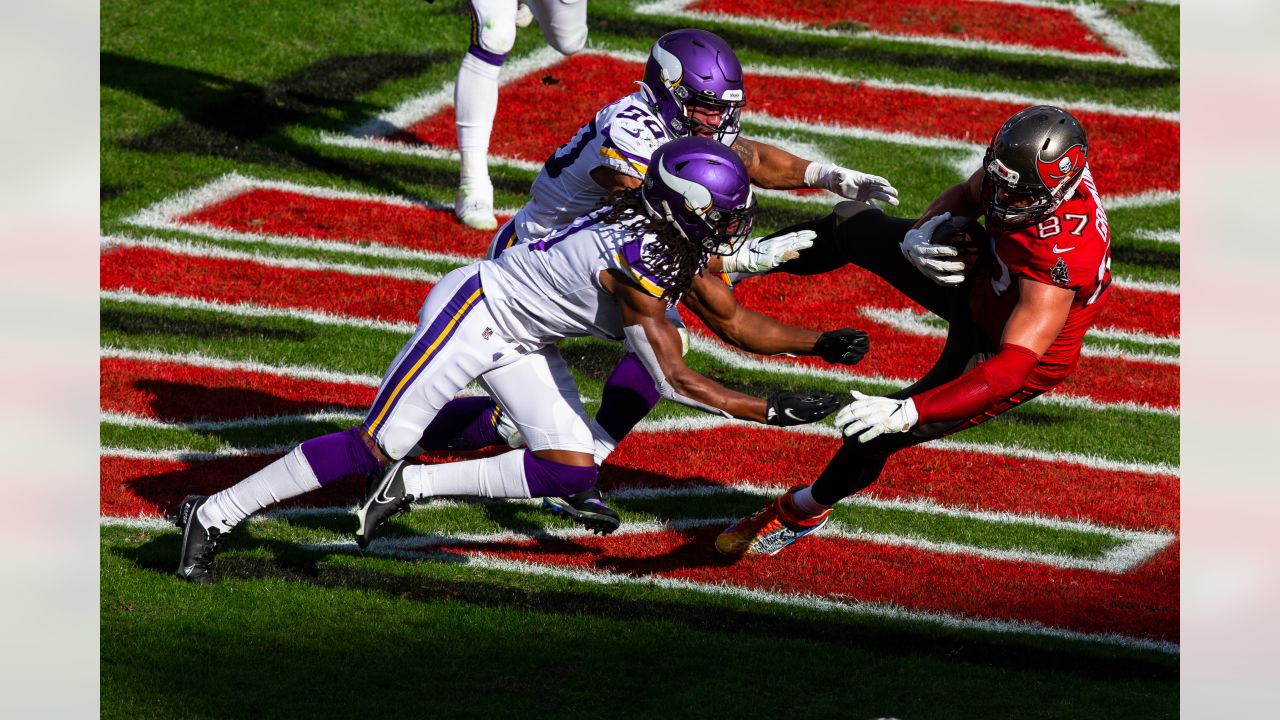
x: 524, y: 16
x: 474, y: 207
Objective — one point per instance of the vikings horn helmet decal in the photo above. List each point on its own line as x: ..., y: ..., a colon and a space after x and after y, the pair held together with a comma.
x: 1033, y: 164
x: 702, y: 188
x: 691, y: 70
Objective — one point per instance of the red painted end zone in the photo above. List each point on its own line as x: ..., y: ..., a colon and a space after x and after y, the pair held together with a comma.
x: 1036, y: 28
x: 1142, y: 602
x: 946, y: 477
x: 1128, y: 154
x: 280, y: 212
x: 790, y: 299
x: 182, y: 393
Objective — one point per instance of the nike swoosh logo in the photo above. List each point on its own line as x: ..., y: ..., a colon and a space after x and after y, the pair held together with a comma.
x: 792, y: 415
x: 1062, y: 250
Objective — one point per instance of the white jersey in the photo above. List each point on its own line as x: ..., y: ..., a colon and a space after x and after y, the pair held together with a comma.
x: 622, y: 136
x: 544, y: 291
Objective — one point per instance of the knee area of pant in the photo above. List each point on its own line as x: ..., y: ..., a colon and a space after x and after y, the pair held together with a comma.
x: 497, y: 40
x: 571, y: 41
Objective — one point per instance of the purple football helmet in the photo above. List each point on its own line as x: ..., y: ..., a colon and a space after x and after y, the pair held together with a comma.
x: 702, y: 188
x: 695, y: 72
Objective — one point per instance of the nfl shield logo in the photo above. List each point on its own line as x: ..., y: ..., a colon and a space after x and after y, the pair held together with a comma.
x: 488, y: 332
x: 1059, y: 273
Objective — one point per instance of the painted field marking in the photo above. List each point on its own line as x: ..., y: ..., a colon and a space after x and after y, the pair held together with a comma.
x: 1162, y: 236
x: 418, y: 126
x: 173, y: 214
x: 1132, y: 308
x: 729, y: 356
x: 404, y: 548
x: 1073, y: 24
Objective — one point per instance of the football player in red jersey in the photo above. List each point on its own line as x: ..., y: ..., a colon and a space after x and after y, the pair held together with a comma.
x: 1017, y: 317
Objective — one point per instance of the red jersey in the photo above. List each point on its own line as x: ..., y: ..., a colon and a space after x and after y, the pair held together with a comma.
x: 1070, y: 249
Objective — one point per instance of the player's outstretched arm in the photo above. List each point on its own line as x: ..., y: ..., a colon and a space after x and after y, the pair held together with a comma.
x: 776, y: 169
x: 1036, y: 321
x: 657, y: 343
x: 714, y: 303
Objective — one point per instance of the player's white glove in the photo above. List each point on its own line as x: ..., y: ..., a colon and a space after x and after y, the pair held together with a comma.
x: 875, y: 416
x: 932, y: 260
x: 759, y: 255
x: 850, y: 183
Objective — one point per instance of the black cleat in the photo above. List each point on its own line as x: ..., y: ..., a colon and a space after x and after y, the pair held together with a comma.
x: 586, y: 508
x: 199, y: 544
x: 384, y: 498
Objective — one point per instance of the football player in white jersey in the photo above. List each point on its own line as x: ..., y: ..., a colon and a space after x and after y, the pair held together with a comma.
x: 611, y: 275
x: 493, y: 33
x: 693, y: 85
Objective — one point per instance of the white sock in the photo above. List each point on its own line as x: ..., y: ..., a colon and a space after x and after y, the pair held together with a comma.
x: 475, y: 102
x: 804, y: 502
x: 500, y: 476
x: 289, y: 476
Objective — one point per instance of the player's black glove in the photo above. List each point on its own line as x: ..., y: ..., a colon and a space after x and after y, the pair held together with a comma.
x: 792, y: 408
x: 843, y: 347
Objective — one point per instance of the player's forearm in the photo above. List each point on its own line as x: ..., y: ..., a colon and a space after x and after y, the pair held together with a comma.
x: 959, y: 200
x: 978, y: 390
x: 771, y: 167
x: 705, y: 391
x: 763, y: 335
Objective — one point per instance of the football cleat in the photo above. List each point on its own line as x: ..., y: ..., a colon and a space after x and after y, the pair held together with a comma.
x: 586, y: 508
x: 383, y: 499
x: 474, y: 206
x: 199, y: 544
x: 771, y: 529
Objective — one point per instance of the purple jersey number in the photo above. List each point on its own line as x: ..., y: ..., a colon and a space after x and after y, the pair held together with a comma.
x: 558, y: 162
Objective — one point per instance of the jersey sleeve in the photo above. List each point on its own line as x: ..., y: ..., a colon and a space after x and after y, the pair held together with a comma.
x: 626, y: 146
x: 631, y: 259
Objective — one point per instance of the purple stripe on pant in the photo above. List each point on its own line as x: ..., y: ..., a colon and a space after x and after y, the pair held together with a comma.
x: 491, y: 58
x: 433, y: 340
x: 505, y: 239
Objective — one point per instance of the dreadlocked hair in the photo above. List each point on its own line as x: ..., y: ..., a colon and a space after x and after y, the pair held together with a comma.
x: 671, y: 257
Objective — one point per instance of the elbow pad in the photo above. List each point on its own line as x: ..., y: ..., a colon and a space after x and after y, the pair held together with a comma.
x: 980, y: 389
x: 640, y: 346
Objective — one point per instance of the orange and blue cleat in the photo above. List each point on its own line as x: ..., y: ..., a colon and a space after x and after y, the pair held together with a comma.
x: 771, y: 529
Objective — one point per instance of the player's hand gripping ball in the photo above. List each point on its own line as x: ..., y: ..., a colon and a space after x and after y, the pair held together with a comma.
x: 967, y: 236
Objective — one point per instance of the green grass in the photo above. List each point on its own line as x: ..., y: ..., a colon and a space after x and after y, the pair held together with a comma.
x: 428, y: 639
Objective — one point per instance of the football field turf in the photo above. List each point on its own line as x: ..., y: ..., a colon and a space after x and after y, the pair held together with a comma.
x: 276, y: 191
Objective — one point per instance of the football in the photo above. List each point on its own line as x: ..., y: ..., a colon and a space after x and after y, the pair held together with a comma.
x: 967, y: 235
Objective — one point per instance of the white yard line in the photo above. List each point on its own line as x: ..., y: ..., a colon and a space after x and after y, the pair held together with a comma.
x: 1133, y: 50
x: 702, y: 423
x: 730, y: 356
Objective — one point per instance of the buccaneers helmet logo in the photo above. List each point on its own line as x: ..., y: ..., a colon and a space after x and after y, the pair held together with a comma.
x: 1054, y: 171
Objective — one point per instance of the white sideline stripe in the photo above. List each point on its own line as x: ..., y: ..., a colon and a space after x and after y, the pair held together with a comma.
x: 1161, y: 236
x: 259, y: 311
x: 738, y: 359
x: 912, y: 322
x: 713, y: 348
x: 189, y: 249
x: 164, y: 216
x: 1133, y: 50
x: 709, y: 423
x: 130, y: 420
x: 297, y: 372
x: 1141, y: 200
x: 1151, y: 286
x: 404, y: 548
